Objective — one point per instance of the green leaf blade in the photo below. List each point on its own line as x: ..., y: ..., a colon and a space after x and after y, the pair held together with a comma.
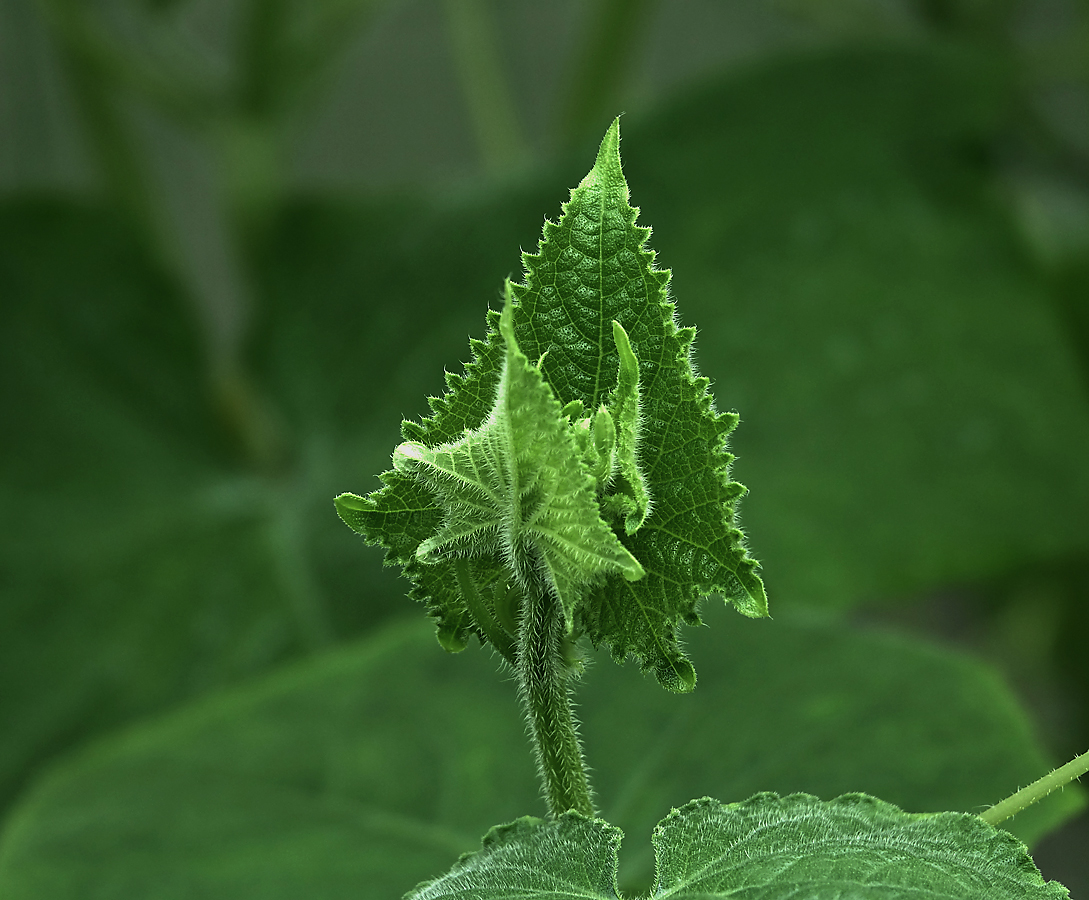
x: 573, y: 858
x: 516, y: 493
x: 854, y: 846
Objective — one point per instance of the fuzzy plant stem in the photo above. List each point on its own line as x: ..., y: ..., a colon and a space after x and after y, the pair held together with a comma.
x: 543, y: 679
x: 1039, y: 789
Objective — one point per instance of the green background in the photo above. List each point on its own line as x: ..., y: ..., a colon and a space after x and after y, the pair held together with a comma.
x: 239, y: 242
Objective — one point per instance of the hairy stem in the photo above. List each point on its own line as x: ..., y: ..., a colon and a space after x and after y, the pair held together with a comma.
x: 543, y: 681
x: 1039, y: 789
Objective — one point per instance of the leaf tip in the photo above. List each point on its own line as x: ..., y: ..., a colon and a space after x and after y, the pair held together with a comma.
x: 406, y: 456
x: 607, y: 172
x: 676, y: 673
x: 610, y: 144
x: 753, y: 601
x: 352, y: 509
x: 451, y: 638
x: 351, y: 502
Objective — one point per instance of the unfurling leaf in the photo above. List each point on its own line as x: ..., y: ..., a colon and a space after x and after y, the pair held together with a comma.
x: 631, y: 500
x: 638, y: 445
x: 767, y: 847
x: 516, y: 490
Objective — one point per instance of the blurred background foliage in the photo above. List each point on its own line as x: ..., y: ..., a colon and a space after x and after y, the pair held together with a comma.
x: 239, y: 241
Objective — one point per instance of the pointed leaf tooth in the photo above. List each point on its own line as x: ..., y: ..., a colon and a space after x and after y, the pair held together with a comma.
x: 412, y: 431
x: 348, y: 507
x: 732, y: 490
x: 675, y: 672
x: 729, y: 420
x: 352, y: 502
x: 437, y: 405
x: 452, y: 638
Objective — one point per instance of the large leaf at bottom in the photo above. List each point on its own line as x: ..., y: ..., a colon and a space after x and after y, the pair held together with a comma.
x: 372, y: 768
x: 766, y: 848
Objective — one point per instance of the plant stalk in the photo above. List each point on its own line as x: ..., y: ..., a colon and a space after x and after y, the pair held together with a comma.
x: 1039, y: 789
x: 543, y: 681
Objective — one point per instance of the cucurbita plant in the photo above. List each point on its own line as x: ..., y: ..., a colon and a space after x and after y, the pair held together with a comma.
x: 573, y: 485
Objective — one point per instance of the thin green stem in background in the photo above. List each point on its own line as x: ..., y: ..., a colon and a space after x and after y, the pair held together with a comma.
x: 543, y: 681
x: 476, y: 47
x: 305, y: 599
x: 613, y: 30
x: 1039, y: 789
x: 92, y: 67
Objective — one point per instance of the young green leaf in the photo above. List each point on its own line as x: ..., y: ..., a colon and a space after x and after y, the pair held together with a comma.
x: 768, y: 847
x: 632, y: 500
x: 594, y: 310
x: 516, y: 489
x: 591, y: 270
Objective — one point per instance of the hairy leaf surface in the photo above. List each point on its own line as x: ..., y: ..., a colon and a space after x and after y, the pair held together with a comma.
x: 766, y: 848
x: 591, y: 270
x: 516, y: 490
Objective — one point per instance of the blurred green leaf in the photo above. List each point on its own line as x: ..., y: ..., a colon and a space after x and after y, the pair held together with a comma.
x: 373, y: 766
x: 140, y: 562
x: 911, y: 412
